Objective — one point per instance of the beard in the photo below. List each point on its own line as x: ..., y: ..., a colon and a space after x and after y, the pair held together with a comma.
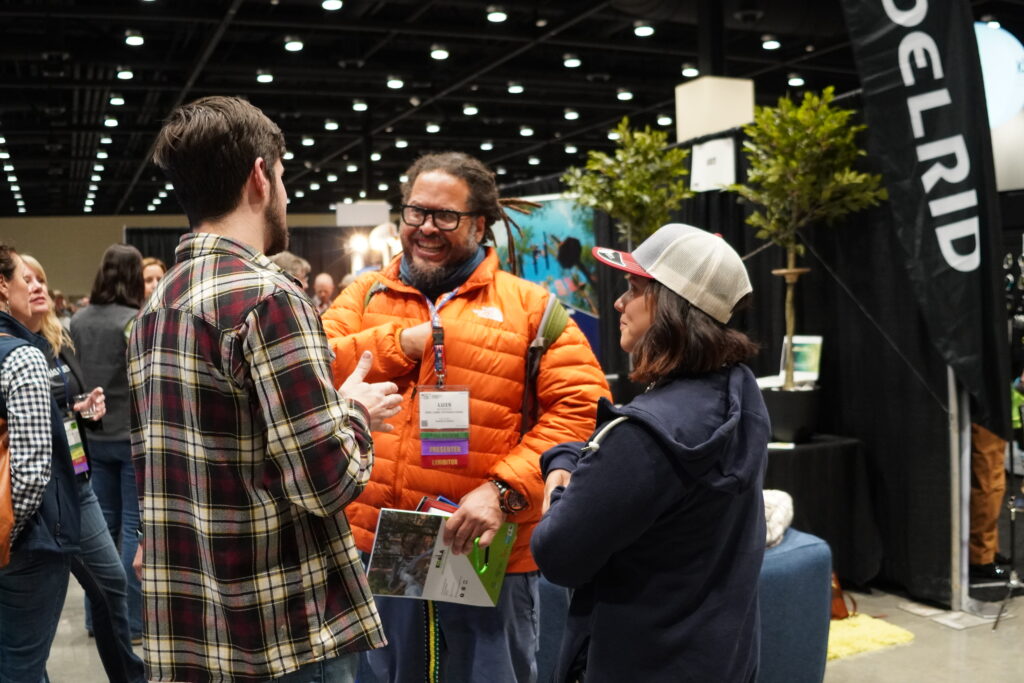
x: 429, y: 278
x: 275, y: 230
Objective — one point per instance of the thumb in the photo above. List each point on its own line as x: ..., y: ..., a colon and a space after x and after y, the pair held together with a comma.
x: 362, y: 367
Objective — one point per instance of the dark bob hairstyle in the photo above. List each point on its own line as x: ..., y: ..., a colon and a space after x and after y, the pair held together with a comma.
x: 119, y: 279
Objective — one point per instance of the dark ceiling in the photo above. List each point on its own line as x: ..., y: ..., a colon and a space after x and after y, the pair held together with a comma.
x: 60, y: 62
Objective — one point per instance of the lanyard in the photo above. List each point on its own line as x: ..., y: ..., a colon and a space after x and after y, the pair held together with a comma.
x: 437, y: 334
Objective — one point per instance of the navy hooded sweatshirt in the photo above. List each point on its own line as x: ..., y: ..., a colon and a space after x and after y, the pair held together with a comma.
x: 661, y: 531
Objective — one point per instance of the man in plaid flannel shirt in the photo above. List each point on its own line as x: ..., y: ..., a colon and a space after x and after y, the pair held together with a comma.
x: 245, y: 454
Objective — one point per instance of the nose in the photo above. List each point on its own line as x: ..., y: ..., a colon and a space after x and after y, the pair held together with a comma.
x: 429, y: 220
x: 620, y: 304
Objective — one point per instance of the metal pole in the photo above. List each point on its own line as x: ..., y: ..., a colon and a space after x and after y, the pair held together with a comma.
x: 958, y: 415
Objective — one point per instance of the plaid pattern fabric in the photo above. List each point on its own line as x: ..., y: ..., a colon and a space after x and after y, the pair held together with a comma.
x: 245, y: 456
x: 25, y: 386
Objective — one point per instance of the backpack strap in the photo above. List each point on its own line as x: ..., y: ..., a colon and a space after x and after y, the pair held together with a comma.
x: 552, y: 324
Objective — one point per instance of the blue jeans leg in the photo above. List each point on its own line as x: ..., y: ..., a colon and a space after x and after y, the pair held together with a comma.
x: 32, y: 591
x: 340, y: 669
x: 113, y: 480
x: 98, y: 569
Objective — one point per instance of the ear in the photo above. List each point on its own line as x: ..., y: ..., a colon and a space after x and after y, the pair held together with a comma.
x: 480, y: 227
x: 258, y: 181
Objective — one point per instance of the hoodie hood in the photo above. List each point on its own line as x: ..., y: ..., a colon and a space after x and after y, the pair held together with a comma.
x: 715, y: 425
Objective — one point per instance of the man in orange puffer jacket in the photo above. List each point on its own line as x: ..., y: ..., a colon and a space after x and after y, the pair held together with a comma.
x: 450, y: 201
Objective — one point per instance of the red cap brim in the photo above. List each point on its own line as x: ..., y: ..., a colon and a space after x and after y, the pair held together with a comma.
x: 619, y: 259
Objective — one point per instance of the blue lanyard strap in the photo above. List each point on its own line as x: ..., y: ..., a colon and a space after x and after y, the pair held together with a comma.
x: 437, y: 334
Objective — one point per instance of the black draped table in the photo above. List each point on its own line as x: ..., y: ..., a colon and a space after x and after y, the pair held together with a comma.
x: 828, y: 480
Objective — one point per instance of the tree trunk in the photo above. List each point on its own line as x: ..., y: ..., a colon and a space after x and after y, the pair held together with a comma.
x: 787, y: 383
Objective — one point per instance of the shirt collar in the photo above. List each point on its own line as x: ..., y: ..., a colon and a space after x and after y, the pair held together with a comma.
x: 195, y: 244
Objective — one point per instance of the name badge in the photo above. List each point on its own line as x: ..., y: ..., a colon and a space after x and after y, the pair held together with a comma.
x: 444, y: 426
x: 78, y: 459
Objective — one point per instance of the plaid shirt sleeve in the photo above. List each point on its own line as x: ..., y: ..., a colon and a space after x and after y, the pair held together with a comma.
x: 25, y: 384
x: 319, y: 450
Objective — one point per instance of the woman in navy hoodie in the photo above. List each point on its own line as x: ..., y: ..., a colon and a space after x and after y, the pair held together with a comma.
x: 658, y: 521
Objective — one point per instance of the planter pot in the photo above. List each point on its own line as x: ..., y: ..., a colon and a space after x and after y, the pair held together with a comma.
x: 794, y: 414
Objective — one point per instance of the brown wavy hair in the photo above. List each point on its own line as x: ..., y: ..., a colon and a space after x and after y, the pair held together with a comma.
x: 684, y: 340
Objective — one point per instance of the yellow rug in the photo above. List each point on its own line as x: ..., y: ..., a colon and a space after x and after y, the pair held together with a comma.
x: 861, y: 633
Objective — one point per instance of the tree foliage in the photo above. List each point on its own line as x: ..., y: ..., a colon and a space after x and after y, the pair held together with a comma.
x: 801, y: 168
x: 638, y: 186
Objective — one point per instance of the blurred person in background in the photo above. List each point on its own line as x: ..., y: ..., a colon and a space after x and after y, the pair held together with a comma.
x: 100, y: 333
x: 323, y: 292
x: 45, y: 533
x: 97, y: 566
x: 294, y: 265
x: 153, y: 270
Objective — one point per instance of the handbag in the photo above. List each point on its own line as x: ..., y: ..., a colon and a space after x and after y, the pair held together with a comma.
x: 6, y: 507
x: 839, y: 597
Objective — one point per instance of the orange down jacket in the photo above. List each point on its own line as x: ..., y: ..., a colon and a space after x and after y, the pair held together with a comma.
x: 488, y: 326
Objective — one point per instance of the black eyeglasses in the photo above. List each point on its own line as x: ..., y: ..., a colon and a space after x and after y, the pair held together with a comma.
x: 444, y: 219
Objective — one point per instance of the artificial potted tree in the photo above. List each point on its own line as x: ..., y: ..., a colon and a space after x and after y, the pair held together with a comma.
x: 801, y: 175
x: 638, y: 186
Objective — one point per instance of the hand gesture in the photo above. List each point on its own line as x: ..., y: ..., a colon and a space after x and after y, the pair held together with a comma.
x: 414, y: 340
x: 479, y: 515
x: 379, y: 398
x: 94, y: 406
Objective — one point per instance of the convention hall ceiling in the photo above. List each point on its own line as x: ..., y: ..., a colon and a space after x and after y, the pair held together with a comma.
x: 360, y: 90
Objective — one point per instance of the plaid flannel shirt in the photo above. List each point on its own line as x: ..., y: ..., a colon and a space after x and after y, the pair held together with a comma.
x: 245, y: 457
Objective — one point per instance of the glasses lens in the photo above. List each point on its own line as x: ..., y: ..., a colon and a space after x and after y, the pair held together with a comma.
x: 446, y: 220
x: 413, y: 215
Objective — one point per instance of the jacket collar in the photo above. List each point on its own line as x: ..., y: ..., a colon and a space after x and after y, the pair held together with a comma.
x: 10, y: 325
x: 482, y: 276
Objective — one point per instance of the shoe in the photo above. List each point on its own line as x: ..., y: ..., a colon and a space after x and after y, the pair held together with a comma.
x: 990, y: 572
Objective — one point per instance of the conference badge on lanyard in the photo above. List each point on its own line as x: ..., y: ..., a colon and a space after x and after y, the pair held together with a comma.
x: 78, y: 459
x: 444, y: 425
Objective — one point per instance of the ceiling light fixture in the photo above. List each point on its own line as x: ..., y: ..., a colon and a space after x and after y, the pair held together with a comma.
x: 314, y: 186
x: 795, y: 80
x: 375, y: 156
x: 496, y: 14
x: 641, y: 29
x: 570, y: 114
x: 116, y: 100
x: 89, y: 202
x: 469, y: 109
x: 533, y: 161
x: 288, y: 155
x: 124, y: 73
x: 12, y: 178
x: 770, y: 42
x: 101, y: 154
x: 133, y: 38
x: 150, y: 208
x: 21, y: 209
x: 664, y: 120
x: 613, y: 135
x: 438, y: 52
x: 307, y: 141
x: 93, y: 187
x: 689, y: 70
x: 401, y: 143
x: 433, y: 127
x: 487, y: 145
x: 395, y: 83
x: 359, y: 105
x: 95, y: 178
x: 332, y: 177
x: 99, y: 168
x: 293, y: 44
x: 15, y: 188
x: 501, y: 170
x: 168, y: 187
x: 264, y: 76
x: 106, y: 140
x: 571, y: 61
x: 525, y: 131
x: 162, y: 194
x: 351, y: 168
x: 331, y: 5
x: 623, y: 95
x: 403, y: 178
x: 90, y: 195
x: 330, y: 124
x: 110, y: 122
x: 515, y: 87
x: 570, y: 149
x: 4, y: 154
x: 382, y: 187
x: 8, y: 168
x: 990, y: 21
x: 3, y: 140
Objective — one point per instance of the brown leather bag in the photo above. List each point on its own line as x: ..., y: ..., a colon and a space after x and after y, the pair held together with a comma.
x: 6, y: 507
x: 839, y: 597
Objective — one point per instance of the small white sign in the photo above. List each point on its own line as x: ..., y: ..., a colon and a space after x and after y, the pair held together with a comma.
x: 714, y: 165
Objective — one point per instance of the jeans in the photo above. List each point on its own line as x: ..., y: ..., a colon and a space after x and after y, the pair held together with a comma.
x: 32, y: 591
x: 495, y: 644
x: 340, y: 669
x: 113, y: 480
x: 98, y: 569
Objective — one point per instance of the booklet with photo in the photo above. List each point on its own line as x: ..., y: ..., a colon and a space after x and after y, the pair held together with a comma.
x: 410, y: 560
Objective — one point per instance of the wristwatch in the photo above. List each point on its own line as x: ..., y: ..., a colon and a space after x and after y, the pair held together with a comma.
x: 509, y: 500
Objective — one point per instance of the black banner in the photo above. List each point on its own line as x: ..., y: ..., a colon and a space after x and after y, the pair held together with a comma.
x: 927, y: 130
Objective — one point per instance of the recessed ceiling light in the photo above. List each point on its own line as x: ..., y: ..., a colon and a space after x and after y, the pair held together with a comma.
x: 299, y: 194
x: 487, y: 145
x: 4, y: 154
x: 156, y: 202
x: 94, y: 187
x: 359, y: 105
x: 307, y: 141
x: 623, y: 95
x: 401, y: 144
x: 161, y: 194
x: 110, y: 122
x: 362, y: 194
x: 433, y: 127
x: 641, y: 29
x: 501, y: 170
x: 533, y: 161
x: 664, y: 120
x: 288, y: 156
x: 330, y: 124
x: 20, y: 202
x: 795, y: 80
x: 89, y: 202
x: 314, y: 186
x: 95, y: 178
x: 571, y: 114
x: 124, y: 73
x: 613, y: 135
x: 382, y: 187
x: 150, y: 208
x: 403, y: 178
x: 133, y: 38
x: 100, y: 154
x: 264, y: 76
x: 332, y: 177
x: 331, y: 5
x: 351, y: 168
x: 525, y: 131
x: 106, y: 140
x: 21, y: 209
x: 98, y: 168
x: 438, y: 52
x: 470, y: 109
x: 496, y: 14
x: 570, y: 149
x: 17, y: 195
x: 395, y: 83
x: 293, y: 43
x: 168, y: 187
x: 8, y: 168
x: 375, y: 156
x: 12, y: 178
x: 3, y: 140
x: 571, y: 61
x: 515, y: 87
x: 770, y: 42
x: 90, y: 195
x: 690, y: 71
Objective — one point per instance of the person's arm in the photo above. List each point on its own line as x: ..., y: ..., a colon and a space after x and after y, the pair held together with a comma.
x: 25, y: 385
x: 319, y: 451
x: 616, y: 493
